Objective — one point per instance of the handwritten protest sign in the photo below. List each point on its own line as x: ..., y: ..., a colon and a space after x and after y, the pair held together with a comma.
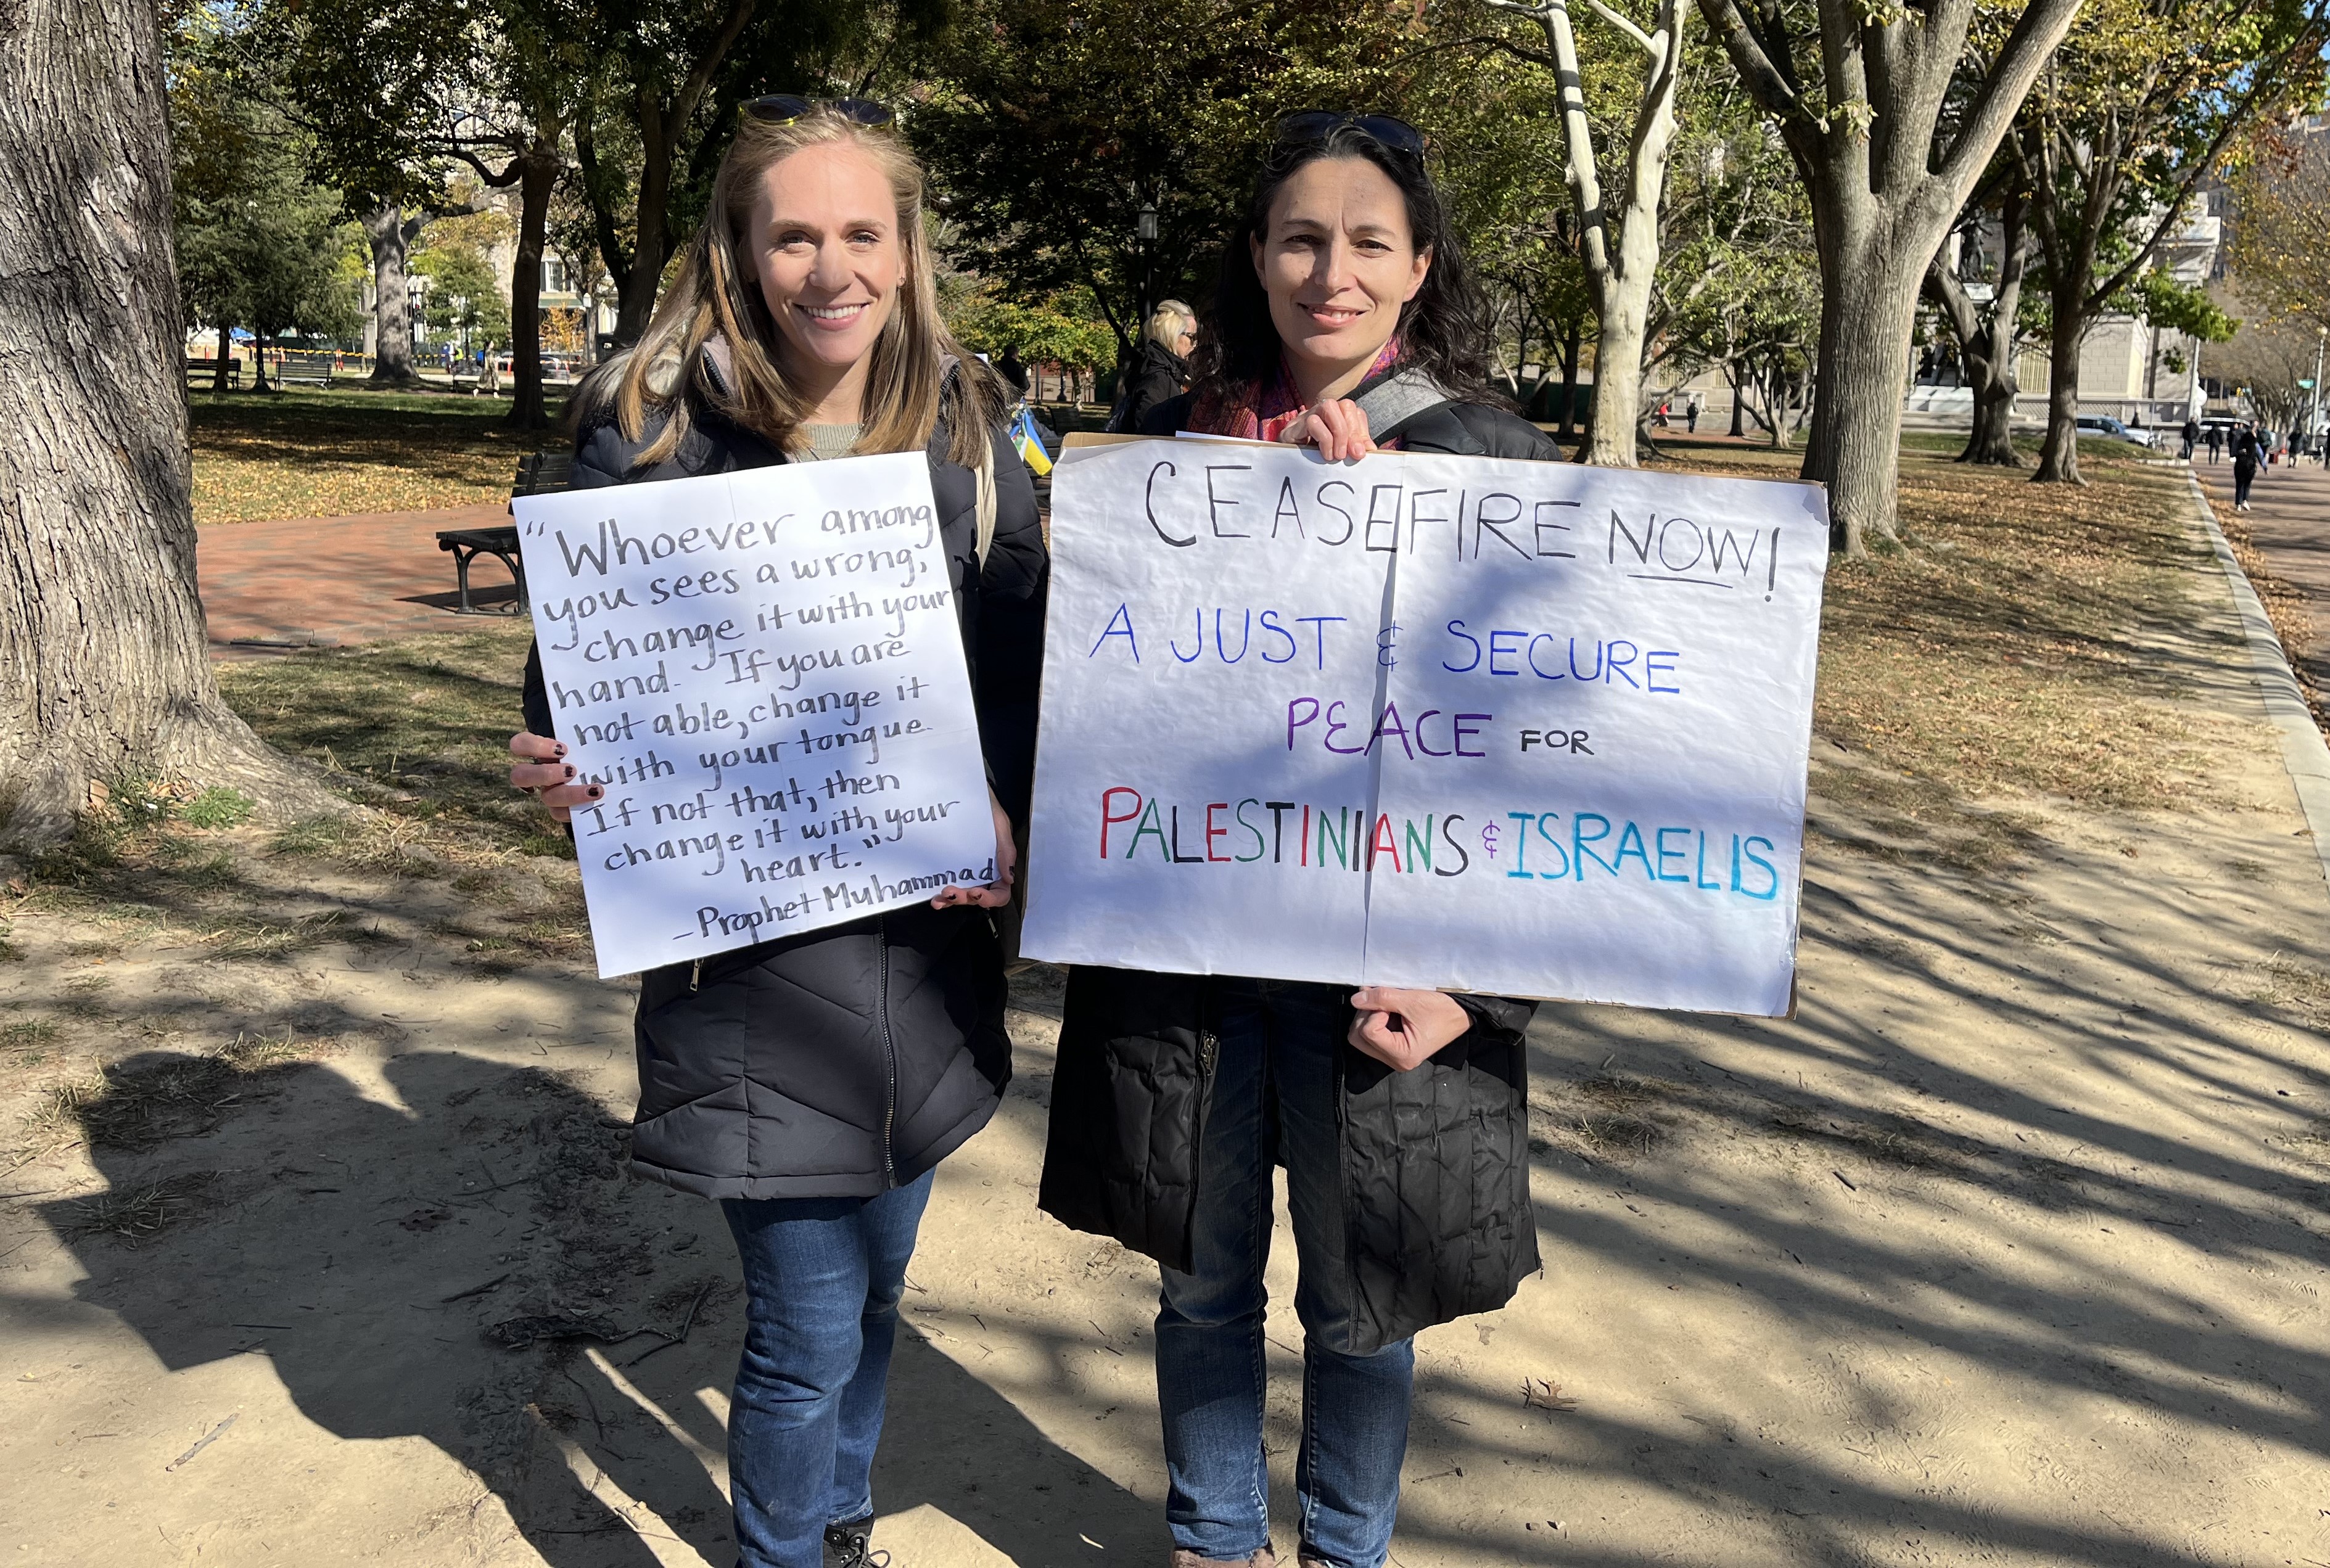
x: 1535, y: 729
x: 764, y: 671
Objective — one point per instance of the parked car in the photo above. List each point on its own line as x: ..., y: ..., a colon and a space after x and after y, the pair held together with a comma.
x: 2105, y: 425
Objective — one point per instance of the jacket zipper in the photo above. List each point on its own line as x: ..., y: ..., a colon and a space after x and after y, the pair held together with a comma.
x: 889, y: 1058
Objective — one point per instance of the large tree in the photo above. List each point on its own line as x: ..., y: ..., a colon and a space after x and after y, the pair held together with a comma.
x: 1892, y: 113
x: 1496, y: 125
x: 2135, y: 112
x: 104, y: 668
x: 367, y: 81
x: 661, y: 58
x: 1975, y: 281
x: 1055, y: 126
x: 2279, y: 253
x: 1619, y: 229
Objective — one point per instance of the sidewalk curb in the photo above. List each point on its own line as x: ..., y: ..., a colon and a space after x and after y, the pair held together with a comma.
x: 2304, y: 753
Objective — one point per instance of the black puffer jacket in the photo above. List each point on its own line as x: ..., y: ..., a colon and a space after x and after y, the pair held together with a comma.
x: 1156, y: 378
x: 1434, y: 1161
x: 849, y: 1060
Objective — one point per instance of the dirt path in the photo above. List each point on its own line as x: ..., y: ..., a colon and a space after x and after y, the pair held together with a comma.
x: 2288, y: 527
x: 2009, y: 1250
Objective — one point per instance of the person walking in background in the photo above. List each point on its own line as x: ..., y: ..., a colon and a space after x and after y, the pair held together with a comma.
x: 1344, y: 289
x: 1014, y: 373
x: 2216, y: 442
x: 1690, y: 414
x: 2248, y: 451
x: 2191, y: 433
x: 1159, y: 371
x: 812, y: 1083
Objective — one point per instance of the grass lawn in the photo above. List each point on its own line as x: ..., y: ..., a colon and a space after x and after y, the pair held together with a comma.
x: 1992, y: 669
x: 2001, y: 652
x: 1998, y: 654
x: 419, y: 728
x: 305, y: 452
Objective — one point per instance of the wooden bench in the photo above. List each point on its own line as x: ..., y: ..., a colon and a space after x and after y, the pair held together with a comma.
x: 308, y: 367
x: 539, y: 474
x: 205, y: 371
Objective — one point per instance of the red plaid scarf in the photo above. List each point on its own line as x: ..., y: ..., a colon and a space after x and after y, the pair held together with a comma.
x: 1277, y: 406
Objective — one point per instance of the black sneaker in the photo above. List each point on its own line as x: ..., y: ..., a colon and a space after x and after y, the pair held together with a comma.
x: 846, y: 1547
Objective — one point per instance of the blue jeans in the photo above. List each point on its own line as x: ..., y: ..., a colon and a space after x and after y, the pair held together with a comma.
x: 822, y: 1278
x: 1273, y: 1100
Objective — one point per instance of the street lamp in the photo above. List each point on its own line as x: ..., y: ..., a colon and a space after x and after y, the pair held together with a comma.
x: 1145, y: 228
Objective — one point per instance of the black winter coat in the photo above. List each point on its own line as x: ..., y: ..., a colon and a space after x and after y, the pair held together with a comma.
x: 848, y: 1060
x: 1434, y: 1161
x: 1157, y: 377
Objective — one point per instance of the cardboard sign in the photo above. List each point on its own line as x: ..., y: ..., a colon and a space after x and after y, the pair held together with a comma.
x: 765, y: 671
x: 1534, y: 729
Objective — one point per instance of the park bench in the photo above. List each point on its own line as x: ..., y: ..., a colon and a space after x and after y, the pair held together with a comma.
x: 309, y: 367
x: 204, y: 372
x: 539, y: 474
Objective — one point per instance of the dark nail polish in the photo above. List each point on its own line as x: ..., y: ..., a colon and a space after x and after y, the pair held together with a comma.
x: 570, y: 769
x: 596, y: 791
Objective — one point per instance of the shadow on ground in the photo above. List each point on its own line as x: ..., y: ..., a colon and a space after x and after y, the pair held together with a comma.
x: 346, y: 1239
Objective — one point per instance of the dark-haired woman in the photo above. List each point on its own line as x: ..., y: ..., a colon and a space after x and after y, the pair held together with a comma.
x: 812, y: 1083
x: 1345, y: 318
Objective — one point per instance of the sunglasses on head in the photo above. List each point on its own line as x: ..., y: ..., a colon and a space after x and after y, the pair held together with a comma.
x: 1316, y: 124
x: 785, y: 107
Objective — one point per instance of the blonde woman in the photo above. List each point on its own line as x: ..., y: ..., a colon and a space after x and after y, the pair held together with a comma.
x: 1160, y: 366
x: 812, y: 1083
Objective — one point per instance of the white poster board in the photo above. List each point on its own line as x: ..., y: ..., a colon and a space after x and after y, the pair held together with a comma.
x: 1534, y: 729
x: 765, y: 672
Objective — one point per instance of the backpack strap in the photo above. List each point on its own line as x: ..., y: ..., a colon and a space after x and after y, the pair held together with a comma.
x: 982, y: 466
x: 1399, y: 398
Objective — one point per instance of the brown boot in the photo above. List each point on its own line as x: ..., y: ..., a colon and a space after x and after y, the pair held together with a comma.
x: 1265, y: 1558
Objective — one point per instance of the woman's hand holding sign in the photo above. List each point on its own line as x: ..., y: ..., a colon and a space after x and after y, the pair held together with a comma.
x: 997, y: 893
x: 1338, y: 427
x: 543, y: 772
x: 1405, y: 1029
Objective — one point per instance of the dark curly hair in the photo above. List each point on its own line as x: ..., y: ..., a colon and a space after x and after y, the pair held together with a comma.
x: 1443, y: 330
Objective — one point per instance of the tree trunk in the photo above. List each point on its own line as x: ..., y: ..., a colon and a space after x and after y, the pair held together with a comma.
x: 2058, y: 459
x: 259, y: 361
x: 104, y: 668
x: 538, y: 173
x: 1883, y: 195
x: 390, y: 234
x: 1623, y: 307
x: 1986, y: 343
x: 1869, y: 304
x: 1731, y: 373
x: 1620, y: 247
x: 1992, y: 440
x: 645, y: 278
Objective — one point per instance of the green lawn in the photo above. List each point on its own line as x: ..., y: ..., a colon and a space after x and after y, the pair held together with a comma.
x: 308, y: 452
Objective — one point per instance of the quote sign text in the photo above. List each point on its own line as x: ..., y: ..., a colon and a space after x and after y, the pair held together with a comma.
x: 764, y: 671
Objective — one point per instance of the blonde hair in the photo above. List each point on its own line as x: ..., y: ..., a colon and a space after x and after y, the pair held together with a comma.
x: 1168, y: 322
x: 717, y: 298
